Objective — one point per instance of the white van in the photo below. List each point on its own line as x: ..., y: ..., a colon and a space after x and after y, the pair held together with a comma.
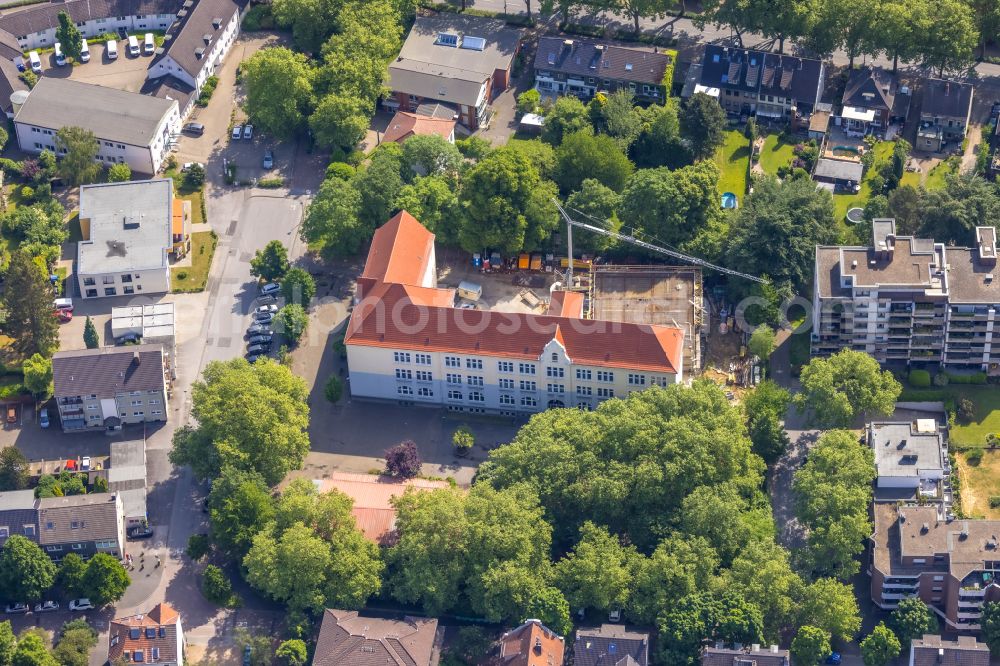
x: 36, y: 62
x: 84, y: 51
x: 148, y: 46
x: 60, y: 57
x: 111, y: 48
x: 133, y: 45
x: 63, y: 304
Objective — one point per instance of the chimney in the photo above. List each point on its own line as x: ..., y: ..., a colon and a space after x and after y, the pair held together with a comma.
x: 940, y: 656
x: 136, y: 358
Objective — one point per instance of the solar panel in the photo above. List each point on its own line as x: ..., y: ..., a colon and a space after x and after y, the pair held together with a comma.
x: 473, y: 43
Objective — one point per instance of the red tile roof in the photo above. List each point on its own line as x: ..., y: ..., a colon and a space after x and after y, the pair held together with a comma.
x: 157, y: 629
x: 372, y: 493
x: 566, y: 304
x: 531, y: 644
x: 404, y: 125
x: 400, y: 252
x: 347, y: 639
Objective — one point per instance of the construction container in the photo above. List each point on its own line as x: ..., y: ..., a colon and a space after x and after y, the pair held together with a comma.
x: 536, y: 262
x: 523, y: 261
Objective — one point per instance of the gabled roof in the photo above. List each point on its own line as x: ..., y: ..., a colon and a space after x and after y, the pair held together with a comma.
x: 601, y: 60
x: 78, y: 518
x: 610, y: 645
x: 731, y: 68
x: 405, y: 124
x: 789, y: 76
x: 208, y: 18
x: 157, y: 630
x: 531, y: 644
x: 713, y: 656
x: 950, y: 99
x: 870, y: 88
x: 932, y: 650
x: 346, y: 639
x: 401, y: 251
x: 106, y: 371
x: 45, y: 16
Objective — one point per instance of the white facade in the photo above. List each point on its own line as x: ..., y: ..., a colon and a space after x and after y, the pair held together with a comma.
x: 99, y: 26
x: 212, y: 60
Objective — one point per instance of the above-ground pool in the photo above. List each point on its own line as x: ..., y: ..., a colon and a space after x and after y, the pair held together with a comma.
x: 851, y: 150
x: 729, y: 200
x: 856, y: 215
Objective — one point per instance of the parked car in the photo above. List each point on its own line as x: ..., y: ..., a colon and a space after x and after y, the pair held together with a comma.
x: 248, y: 132
x: 139, y: 532
x: 263, y: 317
x: 84, y: 51
x: 81, y: 605
x: 111, y: 48
x: 260, y: 339
x: 148, y: 45
x: 237, y: 132
x: 36, y: 62
x: 64, y: 316
x: 47, y: 607
x: 252, y: 358
x: 247, y: 653
x: 259, y: 329
x: 85, y: 464
x: 834, y: 658
x: 11, y: 414
x: 269, y: 307
x: 267, y: 298
x: 133, y: 45
x: 43, y: 418
x: 17, y: 609
x: 194, y: 129
x: 63, y: 304
x: 128, y: 338
x: 270, y: 288
x: 258, y: 349
x: 268, y: 159
x: 122, y: 33
x: 60, y: 56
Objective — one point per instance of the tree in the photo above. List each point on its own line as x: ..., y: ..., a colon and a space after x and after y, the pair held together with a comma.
x: 25, y: 571
x: 331, y: 224
x: 725, y: 616
x: 660, y: 142
x: 38, y: 376
x: 298, y: 287
x: 28, y: 298
x: 990, y: 625
x: 340, y: 121
x: 14, y: 470
x: 429, y: 155
x: 278, y: 90
x: 831, y: 607
x: 216, y: 586
x: 583, y: 155
x: 761, y: 342
x: 79, y: 148
x: 292, y: 321
x: 271, y: 263
x: 106, y: 579
x: 948, y: 214
x: 905, y: 207
x: 433, y: 201
x: 765, y: 407
x: 8, y: 643
x: 952, y: 48
x: 880, y: 646
x: 763, y: 573
x: 76, y: 640
x: 198, y: 546
x: 528, y: 101
x: 252, y: 417
x: 403, y: 460
x: 334, y: 389
x: 621, y: 119
x: 69, y: 37
x: 239, y: 507
x: 811, y: 646
x: 194, y: 177
x: 31, y: 651
x: 292, y: 652
x: 567, y: 116
x: 71, y: 576
x: 90, y: 336
x: 119, y: 173
x: 912, y: 619
x: 702, y: 124
x: 672, y: 206
x: 311, y: 21
x: 897, y: 28
x: 596, y: 204
x: 678, y: 567
x: 506, y: 204
x: 836, y: 390
x: 598, y: 573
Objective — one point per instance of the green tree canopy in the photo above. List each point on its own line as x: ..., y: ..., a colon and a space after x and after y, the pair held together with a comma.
x: 8, y: 643
x: 38, y: 376
x: 292, y: 321
x: 106, y: 579
x: 702, y: 124
x: 433, y: 201
x: 76, y: 640
x: 690, y: 621
x: 298, y: 286
x: 765, y: 408
x: 567, y: 116
x: 340, y: 121
x: 950, y: 214
x: 839, y: 389
x: 429, y: 155
x: 831, y: 607
x: 78, y: 148
x: 278, y: 86
x: 880, y: 646
x: 595, y: 204
x: 239, y: 507
x: 14, y: 470
x: 679, y: 566
x: 911, y: 619
x: 761, y: 342
x: 119, y: 173
x: 25, y: 571
x: 31, y: 651
x: 71, y: 575
x: 583, y: 155
x: 332, y: 224
x: 90, y: 337
x: 68, y: 36
x: 28, y: 299
x: 598, y: 572
x: 811, y: 646
x: 271, y: 263
x: 990, y: 625
x: 292, y: 652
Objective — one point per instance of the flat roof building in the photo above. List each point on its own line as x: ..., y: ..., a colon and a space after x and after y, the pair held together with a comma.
x: 932, y: 650
x: 127, y: 237
x: 911, y: 459
x: 127, y: 479
x: 152, y: 322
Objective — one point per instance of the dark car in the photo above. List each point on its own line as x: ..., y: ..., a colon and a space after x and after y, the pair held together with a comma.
x: 139, y: 532
x: 128, y: 339
x: 260, y: 339
x: 263, y: 317
x: 194, y: 129
x: 260, y: 329
x: 258, y: 349
x: 267, y: 298
x: 247, y: 652
x: 122, y: 33
x: 252, y: 358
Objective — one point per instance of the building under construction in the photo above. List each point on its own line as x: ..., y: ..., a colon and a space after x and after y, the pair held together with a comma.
x: 664, y: 295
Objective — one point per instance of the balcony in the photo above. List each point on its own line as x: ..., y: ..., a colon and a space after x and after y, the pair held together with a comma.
x: 971, y: 593
x: 69, y: 401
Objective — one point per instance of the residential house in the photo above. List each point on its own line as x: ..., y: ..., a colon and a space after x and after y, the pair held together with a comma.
x: 127, y: 236
x: 944, y: 113
x: 197, y: 43
x: 610, y: 645
x: 81, y: 524
x: 35, y: 27
x: 839, y: 175
x: 531, y: 644
x: 156, y: 638
x: 461, y: 61
x: 126, y: 476
x: 408, y: 343
x: 911, y: 458
x: 769, y: 85
x: 932, y: 650
x: 109, y: 387
x: 347, y: 639
x: 405, y: 124
x: 18, y: 515
x: 372, y: 496
x: 872, y: 101
x: 133, y: 129
x: 751, y: 655
x: 907, y: 300
x: 11, y: 60
x: 583, y: 68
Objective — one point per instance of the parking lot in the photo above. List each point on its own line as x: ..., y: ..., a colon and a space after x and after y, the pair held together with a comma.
x: 125, y: 73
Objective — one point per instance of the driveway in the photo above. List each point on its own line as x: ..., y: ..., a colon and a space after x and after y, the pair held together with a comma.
x: 124, y: 73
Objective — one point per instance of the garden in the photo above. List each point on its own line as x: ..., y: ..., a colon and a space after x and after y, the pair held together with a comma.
x: 733, y: 158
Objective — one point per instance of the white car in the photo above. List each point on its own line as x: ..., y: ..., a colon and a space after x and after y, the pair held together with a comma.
x: 148, y: 45
x: 248, y: 132
x: 81, y: 605
x: 133, y: 46
x: 47, y: 607
x: 267, y: 308
x: 16, y: 609
x: 270, y: 288
x: 84, y: 51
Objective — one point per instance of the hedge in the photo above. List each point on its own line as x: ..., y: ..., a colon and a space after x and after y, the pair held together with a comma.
x: 271, y: 183
x: 974, y: 378
x: 919, y: 378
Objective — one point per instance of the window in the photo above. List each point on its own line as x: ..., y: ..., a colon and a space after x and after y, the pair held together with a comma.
x: 4, y: 532
x: 423, y: 359
x: 473, y: 364
x: 528, y: 401
x: 938, y: 579
x: 505, y: 366
x: 526, y: 368
x: 91, y: 293
x: 75, y: 525
x: 506, y: 383
x: 53, y: 549
x: 77, y: 546
x: 156, y: 412
x: 136, y: 403
x: 659, y: 381
x: 126, y: 278
x: 605, y: 393
x: 105, y: 544
x: 583, y: 374
x: 454, y: 395
x: 88, y: 282
x: 453, y: 379
x: 583, y: 390
x: 473, y: 380
x: 556, y: 388
x: 636, y: 380
x: 506, y: 399
x: 528, y: 386
x: 109, y: 291
x: 108, y: 279
x: 403, y: 374
x: 554, y: 372
x: 555, y: 357
x: 155, y: 653
x: 476, y: 396
x: 423, y: 376
x: 401, y: 357
x: 425, y: 392
x: 29, y: 530
x: 404, y: 390
x: 605, y: 376
x: 128, y: 290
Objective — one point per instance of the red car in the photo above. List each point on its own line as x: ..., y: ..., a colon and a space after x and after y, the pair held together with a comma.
x: 63, y: 316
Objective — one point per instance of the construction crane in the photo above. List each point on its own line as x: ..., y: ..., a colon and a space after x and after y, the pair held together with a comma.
x: 570, y: 223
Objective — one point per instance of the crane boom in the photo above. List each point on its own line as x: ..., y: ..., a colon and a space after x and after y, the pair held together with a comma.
x: 649, y: 246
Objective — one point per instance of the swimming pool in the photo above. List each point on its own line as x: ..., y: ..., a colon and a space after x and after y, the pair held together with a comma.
x: 729, y: 200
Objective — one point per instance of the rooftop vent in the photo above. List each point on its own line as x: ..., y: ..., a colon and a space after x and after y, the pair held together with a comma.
x: 599, y: 47
x: 989, y: 278
x: 628, y: 67
x: 964, y: 534
x: 136, y: 358
x: 216, y: 23
x: 207, y: 37
x: 199, y: 53
x: 926, y: 527
x: 568, y: 43
x: 854, y: 263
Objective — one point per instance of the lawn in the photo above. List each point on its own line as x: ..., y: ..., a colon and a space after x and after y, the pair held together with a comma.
x: 979, y: 482
x: 844, y: 202
x: 733, y: 159
x: 986, y: 420
x: 194, y: 277
x: 776, y: 153
x: 935, y: 179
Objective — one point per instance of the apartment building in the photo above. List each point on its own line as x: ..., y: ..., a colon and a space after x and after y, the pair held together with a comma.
x: 750, y: 655
x: 109, y: 387
x: 35, y: 26
x: 155, y: 638
x: 80, y: 524
x: 408, y: 343
x: 932, y: 650
x: 909, y: 301
x: 950, y: 564
x: 911, y: 459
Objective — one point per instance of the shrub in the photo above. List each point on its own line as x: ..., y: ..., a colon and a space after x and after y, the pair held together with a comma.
x: 260, y: 17
x: 974, y: 456
x: 974, y: 378
x: 198, y: 545
x: 474, y: 147
x: 194, y: 177
x: 340, y: 170
x: 463, y: 439
x: 995, y: 501
x: 207, y: 89
x: 271, y: 183
x: 403, y: 460
x: 920, y: 379
x: 216, y: 586
x: 10, y: 167
x: 940, y: 379
x: 966, y: 410
x: 182, y: 275
x: 528, y: 101
x: 334, y: 388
